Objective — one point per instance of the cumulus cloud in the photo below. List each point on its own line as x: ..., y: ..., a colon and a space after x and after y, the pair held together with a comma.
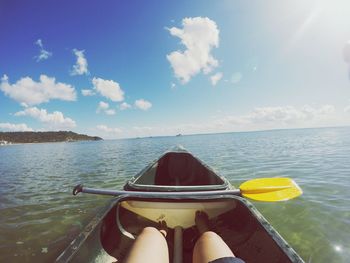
x: 43, y: 54
x: 53, y: 121
x: 30, y: 92
x: 199, y: 35
x: 261, y: 118
x: 14, y: 127
x: 124, y: 106
x: 278, y: 117
x: 104, y: 107
x: 214, y: 79
x: 81, y: 65
x: 288, y: 114
x: 109, y: 89
x: 108, y: 129
x: 108, y: 132
x: 87, y: 92
x: 110, y: 112
x: 143, y: 104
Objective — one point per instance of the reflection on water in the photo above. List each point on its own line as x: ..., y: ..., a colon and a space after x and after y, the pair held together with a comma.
x: 39, y: 216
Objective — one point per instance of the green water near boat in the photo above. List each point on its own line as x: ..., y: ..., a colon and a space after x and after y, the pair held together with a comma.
x: 39, y: 217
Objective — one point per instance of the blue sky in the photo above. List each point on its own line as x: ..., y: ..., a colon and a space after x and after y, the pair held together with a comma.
x: 145, y: 68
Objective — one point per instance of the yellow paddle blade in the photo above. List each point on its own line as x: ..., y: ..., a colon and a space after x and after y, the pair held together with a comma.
x: 270, y: 189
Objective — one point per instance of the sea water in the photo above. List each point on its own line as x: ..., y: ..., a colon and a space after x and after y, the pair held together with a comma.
x: 39, y: 216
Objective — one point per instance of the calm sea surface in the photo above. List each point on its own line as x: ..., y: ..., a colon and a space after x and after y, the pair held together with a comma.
x: 39, y: 216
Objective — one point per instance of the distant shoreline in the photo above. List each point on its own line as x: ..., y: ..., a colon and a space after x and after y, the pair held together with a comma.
x: 33, y: 143
x: 12, y: 138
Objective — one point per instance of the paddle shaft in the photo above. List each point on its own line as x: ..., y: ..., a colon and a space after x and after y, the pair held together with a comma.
x: 261, y: 189
x: 82, y: 189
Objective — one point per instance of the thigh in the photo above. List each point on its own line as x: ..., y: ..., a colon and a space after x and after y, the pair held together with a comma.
x: 150, y: 246
x: 209, y: 247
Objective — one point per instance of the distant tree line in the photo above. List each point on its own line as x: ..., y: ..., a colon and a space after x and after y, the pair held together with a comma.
x: 51, y: 136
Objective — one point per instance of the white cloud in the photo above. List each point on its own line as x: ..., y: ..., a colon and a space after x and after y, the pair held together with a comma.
x: 110, y: 112
x: 288, y: 114
x: 124, y: 106
x: 81, y: 65
x: 87, y: 92
x: 104, y: 107
x: 199, y: 35
x: 53, y: 121
x: 108, y: 132
x: 143, y: 104
x: 14, y: 127
x: 108, y: 129
x: 216, y: 78
x: 43, y: 54
x: 279, y: 117
x: 109, y: 89
x: 262, y: 118
x: 236, y: 77
x: 31, y: 92
x: 173, y: 86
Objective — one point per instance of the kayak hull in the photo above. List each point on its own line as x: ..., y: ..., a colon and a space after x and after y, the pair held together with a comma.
x: 172, y: 189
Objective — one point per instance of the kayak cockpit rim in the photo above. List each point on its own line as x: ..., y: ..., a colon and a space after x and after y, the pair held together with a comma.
x: 177, y: 170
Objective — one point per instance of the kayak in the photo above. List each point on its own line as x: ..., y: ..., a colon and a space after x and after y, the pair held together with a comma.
x: 172, y: 189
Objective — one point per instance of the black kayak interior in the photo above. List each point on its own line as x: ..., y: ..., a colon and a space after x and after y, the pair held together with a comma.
x: 177, y: 169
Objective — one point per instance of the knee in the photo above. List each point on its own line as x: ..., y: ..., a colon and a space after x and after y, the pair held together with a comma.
x: 151, y: 231
x: 209, y: 235
x: 210, y: 246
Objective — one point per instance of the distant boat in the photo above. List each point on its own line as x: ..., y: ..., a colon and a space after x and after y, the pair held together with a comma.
x: 178, y: 135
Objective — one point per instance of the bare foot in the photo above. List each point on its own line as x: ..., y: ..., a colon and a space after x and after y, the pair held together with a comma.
x: 202, y: 222
x: 163, y: 228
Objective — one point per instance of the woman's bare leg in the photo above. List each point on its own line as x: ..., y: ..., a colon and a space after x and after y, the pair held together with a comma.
x: 149, y: 246
x: 209, y: 246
